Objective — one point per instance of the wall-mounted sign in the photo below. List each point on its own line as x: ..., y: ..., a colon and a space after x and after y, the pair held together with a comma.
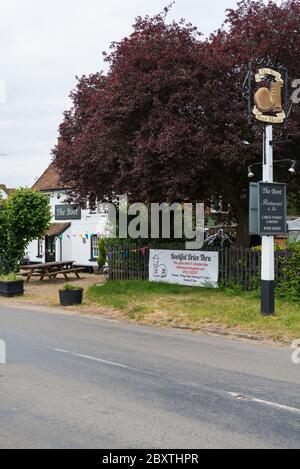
x: 190, y: 268
x: 67, y: 212
x: 268, y: 98
x: 268, y: 207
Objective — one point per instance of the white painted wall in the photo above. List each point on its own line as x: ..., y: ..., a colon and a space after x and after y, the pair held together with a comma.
x: 74, y: 247
x: 3, y: 194
x: 32, y: 252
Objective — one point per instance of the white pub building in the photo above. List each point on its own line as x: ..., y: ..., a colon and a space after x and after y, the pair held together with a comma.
x: 74, y: 232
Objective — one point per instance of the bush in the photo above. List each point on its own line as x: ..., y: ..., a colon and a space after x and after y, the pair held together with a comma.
x: 12, y: 277
x: 24, y: 216
x: 289, y: 263
x: 290, y: 285
x: 102, y: 251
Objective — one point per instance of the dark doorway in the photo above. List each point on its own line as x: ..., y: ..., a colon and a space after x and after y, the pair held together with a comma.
x: 50, y: 255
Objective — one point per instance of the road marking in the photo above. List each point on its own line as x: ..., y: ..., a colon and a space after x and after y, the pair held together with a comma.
x: 101, y: 360
x: 240, y: 397
x: 2, y: 352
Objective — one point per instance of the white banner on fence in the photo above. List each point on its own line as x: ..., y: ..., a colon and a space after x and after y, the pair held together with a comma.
x: 191, y: 268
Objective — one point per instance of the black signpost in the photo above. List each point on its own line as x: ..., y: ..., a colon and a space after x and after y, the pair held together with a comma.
x: 67, y: 212
x: 267, y: 200
x: 268, y: 218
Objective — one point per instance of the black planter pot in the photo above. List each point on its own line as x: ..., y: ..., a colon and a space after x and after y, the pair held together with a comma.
x: 10, y: 289
x: 70, y: 297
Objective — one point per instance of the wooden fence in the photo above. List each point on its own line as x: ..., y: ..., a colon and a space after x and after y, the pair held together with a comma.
x: 128, y: 265
x: 243, y: 266
x: 236, y: 266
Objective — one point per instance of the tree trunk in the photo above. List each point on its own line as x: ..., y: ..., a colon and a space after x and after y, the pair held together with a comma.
x: 242, y: 235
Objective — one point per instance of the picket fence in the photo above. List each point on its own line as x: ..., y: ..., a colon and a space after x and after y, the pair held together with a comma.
x: 236, y: 266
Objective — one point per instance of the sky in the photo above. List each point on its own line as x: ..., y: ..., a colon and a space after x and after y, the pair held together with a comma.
x: 43, y: 46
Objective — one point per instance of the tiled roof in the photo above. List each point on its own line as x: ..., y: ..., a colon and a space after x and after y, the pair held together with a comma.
x: 49, y: 180
x: 56, y: 229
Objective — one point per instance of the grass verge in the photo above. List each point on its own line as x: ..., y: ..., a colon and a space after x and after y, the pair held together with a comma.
x: 173, y: 305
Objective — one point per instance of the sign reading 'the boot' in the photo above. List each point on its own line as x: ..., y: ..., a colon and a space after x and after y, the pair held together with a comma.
x: 272, y: 209
x: 67, y: 212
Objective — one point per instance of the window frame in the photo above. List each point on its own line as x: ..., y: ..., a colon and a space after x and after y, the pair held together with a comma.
x: 93, y: 258
x: 40, y: 248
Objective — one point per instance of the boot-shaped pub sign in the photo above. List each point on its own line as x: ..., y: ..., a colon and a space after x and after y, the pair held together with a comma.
x: 268, y: 106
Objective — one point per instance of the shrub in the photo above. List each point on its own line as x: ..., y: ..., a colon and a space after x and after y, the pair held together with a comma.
x: 12, y: 277
x: 102, y: 251
x: 24, y: 216
x: 69, y: 287
x: 291, y: 270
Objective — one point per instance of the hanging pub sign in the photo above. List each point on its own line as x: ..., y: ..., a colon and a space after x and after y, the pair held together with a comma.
x: 266, y: 89
x: 268, y: 209
x: 67, y: 212
x: 268, y: 98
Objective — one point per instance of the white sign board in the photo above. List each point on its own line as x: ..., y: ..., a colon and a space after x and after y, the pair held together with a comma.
x: 190, y: 268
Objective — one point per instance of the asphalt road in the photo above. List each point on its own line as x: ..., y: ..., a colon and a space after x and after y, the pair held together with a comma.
x: 76, y: 382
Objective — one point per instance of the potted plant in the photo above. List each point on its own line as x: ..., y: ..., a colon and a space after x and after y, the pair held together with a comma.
x: 11, y: 285
x: 70, y: 295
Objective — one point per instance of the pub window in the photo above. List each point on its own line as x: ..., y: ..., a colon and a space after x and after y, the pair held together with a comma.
x: 94, y: 247
x: 49, y: 198
x: 40, y: 247
x: 93, y: 209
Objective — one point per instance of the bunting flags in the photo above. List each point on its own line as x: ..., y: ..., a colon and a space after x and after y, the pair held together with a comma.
x: 84, y: 235
x: 127, y: 251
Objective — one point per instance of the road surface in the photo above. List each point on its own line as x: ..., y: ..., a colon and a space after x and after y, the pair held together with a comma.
x: 77, y: 382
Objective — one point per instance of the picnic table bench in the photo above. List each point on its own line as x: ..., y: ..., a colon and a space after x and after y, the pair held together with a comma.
x: 50, y: 270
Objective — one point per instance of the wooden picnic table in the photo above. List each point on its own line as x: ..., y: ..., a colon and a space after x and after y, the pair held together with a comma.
x: 50, y: 270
